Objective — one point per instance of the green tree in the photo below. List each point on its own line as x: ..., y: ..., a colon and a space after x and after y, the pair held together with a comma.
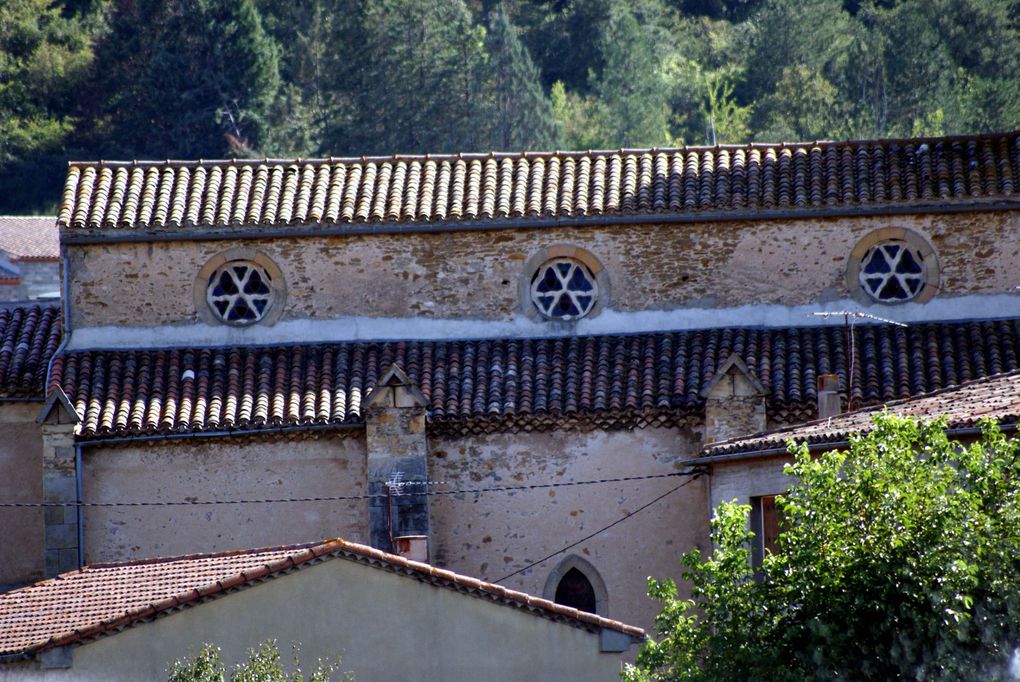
x: 631, y: 90
x: 520, y: 113
x: 44, y: 59
x: 562, y: 38
x: 898, y: 561
x: 414, y: 81
x: 184, y: 79
x: 264, y: 664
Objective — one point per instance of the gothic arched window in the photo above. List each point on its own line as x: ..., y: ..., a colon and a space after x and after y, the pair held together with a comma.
x: 575, y: 590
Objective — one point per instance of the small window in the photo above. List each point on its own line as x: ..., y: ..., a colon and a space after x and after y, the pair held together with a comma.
x: 892, y: 272
x: 767, y: 525
x: 564, y: 289
x: 576, y: 591
x: 893, y: 265
x: 240, y: 292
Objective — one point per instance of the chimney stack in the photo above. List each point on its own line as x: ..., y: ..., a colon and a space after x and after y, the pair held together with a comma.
x: 413, y: 547
x: 828, y: 396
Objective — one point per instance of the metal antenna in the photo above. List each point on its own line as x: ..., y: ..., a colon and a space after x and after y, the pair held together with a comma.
x: 846, y: 314
x: 854, y: 315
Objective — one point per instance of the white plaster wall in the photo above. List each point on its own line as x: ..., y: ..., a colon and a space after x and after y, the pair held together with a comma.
x: 234, y: 469
x: 386, y: 626
x: 490, y: 535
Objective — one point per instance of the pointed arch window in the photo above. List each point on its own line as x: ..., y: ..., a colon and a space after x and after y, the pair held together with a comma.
x: 576, y: 583
x: 575, y: 590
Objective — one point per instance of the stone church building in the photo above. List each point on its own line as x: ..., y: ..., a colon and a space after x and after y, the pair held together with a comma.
x: 517, y: 356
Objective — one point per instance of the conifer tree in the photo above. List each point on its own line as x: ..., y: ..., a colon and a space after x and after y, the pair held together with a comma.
x: 413, y: 81
x: 632, y: 91
x: 183, y: 78
x: 521, y: 113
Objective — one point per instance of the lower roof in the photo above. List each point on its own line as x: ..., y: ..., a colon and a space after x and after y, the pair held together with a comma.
x: 104, y: 598
x: 470, y: 386
x: 964, y: 406
x: 29, y: 336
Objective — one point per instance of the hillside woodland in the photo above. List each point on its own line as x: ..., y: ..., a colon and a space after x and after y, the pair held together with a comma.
x: 158, y: 79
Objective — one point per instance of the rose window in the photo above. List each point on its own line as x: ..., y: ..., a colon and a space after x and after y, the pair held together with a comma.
x: 892, y: 272
x: 564, y: 289
x: 240, y: 292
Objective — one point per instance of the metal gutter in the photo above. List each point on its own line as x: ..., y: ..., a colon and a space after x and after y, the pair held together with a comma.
x: 187, y: 435
x: 79, y: 486
x: 65, y: 313
x: 827, y: 445
x: 71, y: 236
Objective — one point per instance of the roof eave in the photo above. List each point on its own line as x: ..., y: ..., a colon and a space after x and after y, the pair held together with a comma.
x: 84, y: 235
x: 825, y: 445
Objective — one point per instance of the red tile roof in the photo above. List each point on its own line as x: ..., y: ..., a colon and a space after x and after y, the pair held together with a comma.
x: 29, y: 336
x: 530, y: 187
x: 104, y: 598
x: 519, y: 384
x: 30, y: 238
x: 996, y: 397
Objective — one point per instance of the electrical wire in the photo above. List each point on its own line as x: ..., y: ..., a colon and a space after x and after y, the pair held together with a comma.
x: 371, y: 496
x: 600, y: 530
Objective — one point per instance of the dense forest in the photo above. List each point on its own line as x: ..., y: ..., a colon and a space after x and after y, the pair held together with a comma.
x: 133, y: 79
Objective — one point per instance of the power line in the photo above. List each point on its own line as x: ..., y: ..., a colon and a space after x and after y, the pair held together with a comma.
x: 348, y: 498
x: 620, y: 520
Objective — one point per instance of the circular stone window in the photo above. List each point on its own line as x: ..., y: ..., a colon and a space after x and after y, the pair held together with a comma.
x: 893, y: 266
x: 240, y: 287
x: 240, y: 292
x: 564, y: 289
x: 892, y: 272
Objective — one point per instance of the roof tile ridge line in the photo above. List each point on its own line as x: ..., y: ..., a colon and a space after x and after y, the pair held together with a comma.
x: 523, y: 598
x: 216, y: 587
x: 191, y: 557
x: 539, y: 153
x: 869, y: 408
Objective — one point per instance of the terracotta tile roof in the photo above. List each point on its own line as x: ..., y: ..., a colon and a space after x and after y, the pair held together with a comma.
x: 105, y: 598
x: 529, y: 186
x: 996, y: 397
x: 518, y: 384
x: 29, y: 336
x: 30, y: 238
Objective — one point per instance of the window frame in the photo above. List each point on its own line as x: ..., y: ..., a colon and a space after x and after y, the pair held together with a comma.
x: 932, y: 271
x: 556, y: 252
x: 277, y: 286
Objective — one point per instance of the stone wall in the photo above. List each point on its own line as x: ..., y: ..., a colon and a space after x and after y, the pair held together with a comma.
x: 491, y: 535
x: 38, y: 279
x: 222, y: 469
x: 475, y: 274
x: 21, y: 529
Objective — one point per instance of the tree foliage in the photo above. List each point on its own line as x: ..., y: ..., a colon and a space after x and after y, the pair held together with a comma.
x: 211, y: 78
x: 520, y: 113
x: 264, y: 664
x: 898, y: 561
x: 183, y: 79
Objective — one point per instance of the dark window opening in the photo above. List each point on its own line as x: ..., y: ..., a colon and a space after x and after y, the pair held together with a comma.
x: 575, y: 590
x: 767, y: 525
